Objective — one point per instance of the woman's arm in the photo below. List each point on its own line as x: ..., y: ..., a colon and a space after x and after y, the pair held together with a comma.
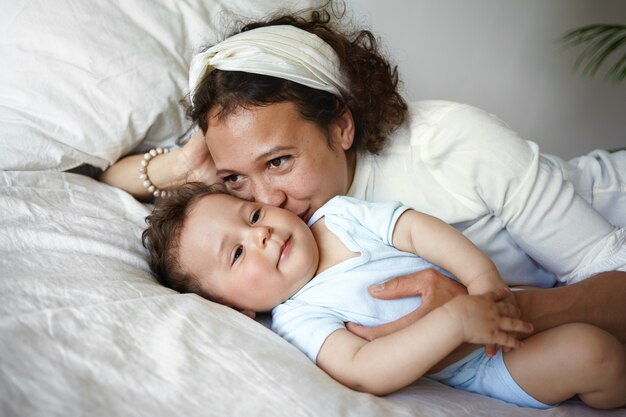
x: 598, y: 300
x: 192, y: 162
x: 394, y: 361
x: 490, y: 168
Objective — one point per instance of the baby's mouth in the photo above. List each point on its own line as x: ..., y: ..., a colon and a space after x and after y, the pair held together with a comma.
x: 284, y: 250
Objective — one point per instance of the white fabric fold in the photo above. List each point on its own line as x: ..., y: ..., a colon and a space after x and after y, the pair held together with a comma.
x: 279, y: 51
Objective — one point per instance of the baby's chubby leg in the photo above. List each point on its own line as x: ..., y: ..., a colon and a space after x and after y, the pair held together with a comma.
x: 571, y: 359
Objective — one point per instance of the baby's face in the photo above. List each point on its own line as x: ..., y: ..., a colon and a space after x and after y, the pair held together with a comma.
x: 248, y: 255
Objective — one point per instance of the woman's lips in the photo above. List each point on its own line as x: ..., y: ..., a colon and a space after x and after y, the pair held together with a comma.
x: 305, y: 216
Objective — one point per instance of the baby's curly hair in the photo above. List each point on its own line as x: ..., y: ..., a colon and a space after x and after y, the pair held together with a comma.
x: 374, y: 101
x: 162, y: 236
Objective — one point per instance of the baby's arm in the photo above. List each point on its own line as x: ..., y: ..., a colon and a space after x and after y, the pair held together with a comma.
x: 446, y: 247
x: 392, y: 362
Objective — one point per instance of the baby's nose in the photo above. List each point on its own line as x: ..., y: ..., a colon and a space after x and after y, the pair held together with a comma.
x: 264, y: 233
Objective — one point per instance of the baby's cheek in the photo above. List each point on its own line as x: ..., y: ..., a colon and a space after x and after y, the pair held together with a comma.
x: 257, y: 281
x: 262, y: 293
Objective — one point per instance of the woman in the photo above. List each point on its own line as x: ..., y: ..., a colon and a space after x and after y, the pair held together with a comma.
x: 292, y: 112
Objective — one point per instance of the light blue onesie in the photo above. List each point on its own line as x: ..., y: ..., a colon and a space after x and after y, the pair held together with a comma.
x: 339, y: 295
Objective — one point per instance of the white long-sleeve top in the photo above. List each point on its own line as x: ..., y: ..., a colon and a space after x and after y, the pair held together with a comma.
x: 465, y: 166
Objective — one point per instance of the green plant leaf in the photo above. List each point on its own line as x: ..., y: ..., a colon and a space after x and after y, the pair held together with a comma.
x: 601, y: 42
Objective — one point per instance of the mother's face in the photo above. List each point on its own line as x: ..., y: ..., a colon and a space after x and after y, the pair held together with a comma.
x: 272, y: 155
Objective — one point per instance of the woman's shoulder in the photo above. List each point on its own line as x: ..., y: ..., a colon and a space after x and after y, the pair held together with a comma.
x: 439, y: 127
x: 451, y: 114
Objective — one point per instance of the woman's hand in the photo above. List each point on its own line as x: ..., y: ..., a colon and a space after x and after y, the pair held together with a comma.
x: 488, y: 318
x: 435, y: 289
x: 167, y: 171
x: 196, y: 161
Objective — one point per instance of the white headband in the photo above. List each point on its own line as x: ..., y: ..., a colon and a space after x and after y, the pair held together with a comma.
x: 280, y: 51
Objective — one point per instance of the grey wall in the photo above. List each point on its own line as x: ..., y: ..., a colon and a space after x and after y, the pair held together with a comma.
x: 504, y: 56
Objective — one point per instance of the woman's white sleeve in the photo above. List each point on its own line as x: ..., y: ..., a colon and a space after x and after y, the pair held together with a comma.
x: 528, y: 193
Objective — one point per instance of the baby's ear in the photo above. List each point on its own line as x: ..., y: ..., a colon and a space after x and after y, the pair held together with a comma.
x: 249, y: 313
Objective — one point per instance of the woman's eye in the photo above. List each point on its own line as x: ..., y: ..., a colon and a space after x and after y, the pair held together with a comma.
x: 256, y: 214
x: 232, y: 178
x: 237, y: 254
x: 278, y: 162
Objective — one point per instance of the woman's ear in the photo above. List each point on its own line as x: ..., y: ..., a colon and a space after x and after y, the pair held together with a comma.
x: 342, y: 130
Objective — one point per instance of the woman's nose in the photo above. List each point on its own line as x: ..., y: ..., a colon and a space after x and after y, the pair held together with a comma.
x: 267, y: 194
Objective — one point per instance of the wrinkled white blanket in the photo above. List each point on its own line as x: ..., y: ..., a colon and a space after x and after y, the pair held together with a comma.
x: 85, y: 329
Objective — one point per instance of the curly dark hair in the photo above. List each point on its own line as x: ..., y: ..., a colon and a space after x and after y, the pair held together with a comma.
x: 373, y: 98
x: 162, y: 237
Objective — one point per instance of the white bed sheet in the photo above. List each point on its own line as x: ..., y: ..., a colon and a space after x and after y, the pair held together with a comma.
x: 85, y: 329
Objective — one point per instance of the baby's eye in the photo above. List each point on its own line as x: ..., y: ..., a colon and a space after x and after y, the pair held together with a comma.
x: 238, y: 252
x: 278, y: 162
x: 256, y: 214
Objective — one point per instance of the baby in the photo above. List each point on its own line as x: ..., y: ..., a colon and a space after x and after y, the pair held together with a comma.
x: 314, y: 278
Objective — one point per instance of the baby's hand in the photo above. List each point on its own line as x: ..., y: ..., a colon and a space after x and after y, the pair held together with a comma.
x: 487, y: 319
x: 491, y: 282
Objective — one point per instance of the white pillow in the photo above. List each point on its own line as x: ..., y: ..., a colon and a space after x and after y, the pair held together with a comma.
x: 86, y: 331
x: 89, y: 81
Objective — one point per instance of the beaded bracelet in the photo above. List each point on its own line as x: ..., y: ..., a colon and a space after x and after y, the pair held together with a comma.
x: 143, y: 172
